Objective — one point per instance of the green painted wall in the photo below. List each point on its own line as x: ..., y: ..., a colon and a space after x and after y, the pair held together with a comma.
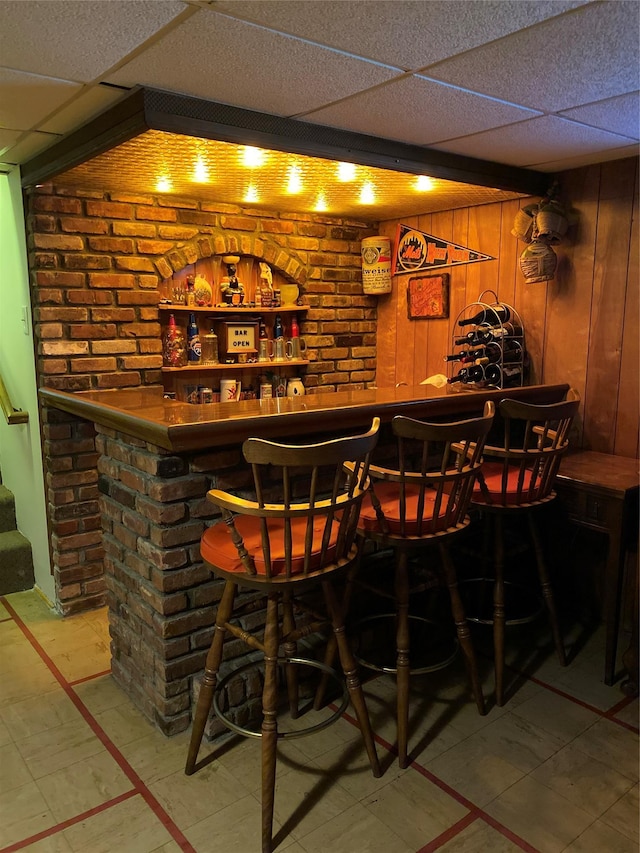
x: 20, y: 449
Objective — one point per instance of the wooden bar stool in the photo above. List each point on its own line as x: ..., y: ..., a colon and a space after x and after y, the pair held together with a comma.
x: 517, y: 479
x: 422, y: 504
x: 298, y: 533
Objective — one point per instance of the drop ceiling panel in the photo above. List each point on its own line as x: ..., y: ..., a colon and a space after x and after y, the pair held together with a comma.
x: 418, y: 111
x: 619, y: 115
x: 551, y: 66
x: 218, y: 58
x: 539, y: 140
x: 78, y: 41
x: 28, y: 98
x: 214, y: 171
x: 19, y: 152
x: 587, y: 159
x: 88, y: 104
x: 409, y: 34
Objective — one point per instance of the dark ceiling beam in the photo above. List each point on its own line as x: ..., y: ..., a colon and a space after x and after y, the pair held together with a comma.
x: 153, y: 109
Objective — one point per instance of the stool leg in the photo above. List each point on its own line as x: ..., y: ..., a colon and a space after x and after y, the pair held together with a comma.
x: 331, y: 647
x: 498, y: 611
x: 290, y: 650
x: 208, y: 685
x: 462, y: 628
x: 547, y: 591
x: 269, y: 719
x: 350, y: 670
x: 402, y: 654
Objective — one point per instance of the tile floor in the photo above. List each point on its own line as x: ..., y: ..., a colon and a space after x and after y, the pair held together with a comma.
x: 80, y: 770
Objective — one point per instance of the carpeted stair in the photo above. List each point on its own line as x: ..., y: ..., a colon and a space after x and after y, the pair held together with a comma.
x: 16, y: 563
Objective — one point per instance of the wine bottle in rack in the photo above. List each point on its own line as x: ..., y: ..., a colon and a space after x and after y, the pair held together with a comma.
x: 491, y: 315
x: 475, y: 373
x: 465, y: 355
x: 479, y: 337
x: 493, y: 374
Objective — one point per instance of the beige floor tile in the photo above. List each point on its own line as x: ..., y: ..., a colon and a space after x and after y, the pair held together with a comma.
x: 479, y: 837
x: 31, y: 607
x: 613, y: 745
x: 623, y: 815
x: 54, y: 749
x: 91, y: 659
x: 14, y: 773
x: 414, y: 808
x: 82, y: 786
x: 353, y: 771
x: 539, y: 815
x: 23, y: 812
x: 124, y: 724
x: 5, y: 734
x: 15, y: 648
x: 170, y: 847
x: 39, y: 714
x: 4, y: 613
x: 583, y: 780
x: 130, y: 825
x: 478, y: 775
x: 242, y: 757
x: 600, y: 838
x: 630, y: 713
x: 190, y: 799
x: 355, y: 829
x: 236, y: 828
x: 315, y: 744
x: 52, y: 844
x: 559, y: 716
x: 155, y: 756
x: 26, y: 681
x: 101, y: 694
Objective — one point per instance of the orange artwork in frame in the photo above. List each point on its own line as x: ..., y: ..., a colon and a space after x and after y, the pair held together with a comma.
x: 428, y: 297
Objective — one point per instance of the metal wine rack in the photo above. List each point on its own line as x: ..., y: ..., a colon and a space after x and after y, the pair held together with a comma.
x: 508, y: 362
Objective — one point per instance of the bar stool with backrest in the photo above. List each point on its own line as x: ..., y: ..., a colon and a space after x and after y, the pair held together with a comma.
x: 419, y: 505
x: 298, y: 533
x: 517, y: 478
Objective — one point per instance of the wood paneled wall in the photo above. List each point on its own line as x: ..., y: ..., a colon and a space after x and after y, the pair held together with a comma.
x: 582, y: 327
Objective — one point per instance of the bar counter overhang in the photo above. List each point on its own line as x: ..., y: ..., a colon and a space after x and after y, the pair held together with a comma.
x: 157, y: 460
x: 145, y: 414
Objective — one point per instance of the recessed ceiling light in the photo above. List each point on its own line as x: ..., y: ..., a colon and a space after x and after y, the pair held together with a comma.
x: 163, y: 185
x: 367, y: 194
x: 294, y: 181
x: 253, y: 157
x: 321, y: 203
x: 424, y: 183
x: 251, y: 194
x: 346, y: 172
x: 200, y: 171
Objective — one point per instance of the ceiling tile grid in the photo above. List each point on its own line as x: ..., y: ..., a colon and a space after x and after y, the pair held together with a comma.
x: 543, y: 83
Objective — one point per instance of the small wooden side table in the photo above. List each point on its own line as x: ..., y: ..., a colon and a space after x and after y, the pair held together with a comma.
x: 600, y: 491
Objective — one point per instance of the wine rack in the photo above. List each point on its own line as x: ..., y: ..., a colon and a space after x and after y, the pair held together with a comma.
x: 488, y: 346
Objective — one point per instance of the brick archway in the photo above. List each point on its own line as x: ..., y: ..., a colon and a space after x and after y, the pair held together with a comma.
x: 228, y: 243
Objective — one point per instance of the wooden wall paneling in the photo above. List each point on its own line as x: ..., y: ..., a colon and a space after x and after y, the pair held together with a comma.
x: 458, y: 280
x: 611, y: 260
x: 386, y: 340
x: 438, y: 335
x: 422, y: 329
x: 566, y: 341
x: 405, y: 328
x: 483, y: 236
x: 509, y: 252
x: 628, y: 407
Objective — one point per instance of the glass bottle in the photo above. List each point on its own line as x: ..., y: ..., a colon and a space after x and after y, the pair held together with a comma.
x: 174, y: 350
x: 193, y: 340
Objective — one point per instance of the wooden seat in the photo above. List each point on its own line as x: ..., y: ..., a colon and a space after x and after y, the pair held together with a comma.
x: 298, y: 532
x: 419, y: 505
x: 518, y: 478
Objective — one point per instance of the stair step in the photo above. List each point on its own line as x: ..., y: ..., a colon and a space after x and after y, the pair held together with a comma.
x: 16, y: 563
x: 7, y: 510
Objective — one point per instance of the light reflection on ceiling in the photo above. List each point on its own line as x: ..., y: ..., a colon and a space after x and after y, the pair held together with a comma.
x: 176, y: 165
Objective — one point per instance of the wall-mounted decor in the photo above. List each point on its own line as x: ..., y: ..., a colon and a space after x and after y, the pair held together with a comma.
x: 416, y: 250
x: 428, y: 297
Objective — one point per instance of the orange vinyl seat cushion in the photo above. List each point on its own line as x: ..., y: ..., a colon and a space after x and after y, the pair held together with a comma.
x: 492, y: 473
x: 217, y: 548
x: 389, y: 496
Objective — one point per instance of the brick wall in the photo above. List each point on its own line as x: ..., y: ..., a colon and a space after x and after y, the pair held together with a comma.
x: 96, y: 262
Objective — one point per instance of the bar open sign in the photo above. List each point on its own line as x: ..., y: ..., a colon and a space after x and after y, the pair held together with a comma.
x: 241, y: 338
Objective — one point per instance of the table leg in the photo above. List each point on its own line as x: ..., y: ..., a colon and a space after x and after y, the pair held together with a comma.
x: 614, y: 572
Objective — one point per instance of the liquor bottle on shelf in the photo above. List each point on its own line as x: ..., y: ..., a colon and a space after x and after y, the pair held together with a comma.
x: 296, y: 347
x: 193, y: 340
x: 209, y: 348
x: 174, y: 350
x: 491, y: 315
x: 278, y: 340
x: 191, y: 290
x: 475, y: 373
x: 265, y: 346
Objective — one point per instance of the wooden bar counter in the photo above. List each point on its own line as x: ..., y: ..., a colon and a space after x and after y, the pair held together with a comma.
x: 157, y: 460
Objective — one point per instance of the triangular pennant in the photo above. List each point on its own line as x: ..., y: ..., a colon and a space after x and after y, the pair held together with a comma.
x: 416, y: 250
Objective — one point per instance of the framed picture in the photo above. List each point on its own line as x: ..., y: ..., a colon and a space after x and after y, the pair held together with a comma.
x: 428, y: 297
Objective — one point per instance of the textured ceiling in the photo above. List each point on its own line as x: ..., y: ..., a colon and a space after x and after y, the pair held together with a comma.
x: 545, y: 85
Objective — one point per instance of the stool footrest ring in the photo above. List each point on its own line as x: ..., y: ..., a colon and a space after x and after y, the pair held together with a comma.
x: 449, y: 653
x: 528, y: 596
x: 332, y: 673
